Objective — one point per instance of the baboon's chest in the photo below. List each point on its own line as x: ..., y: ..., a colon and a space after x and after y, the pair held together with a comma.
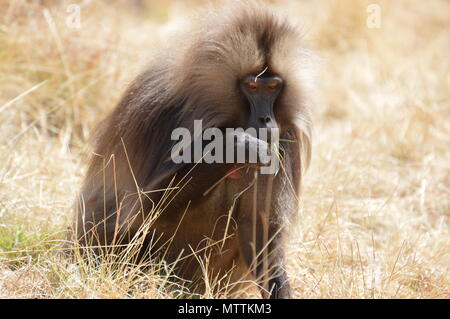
x: 209, y: 226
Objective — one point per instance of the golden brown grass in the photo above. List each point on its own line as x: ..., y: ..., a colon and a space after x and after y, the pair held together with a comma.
x: 376, y: 201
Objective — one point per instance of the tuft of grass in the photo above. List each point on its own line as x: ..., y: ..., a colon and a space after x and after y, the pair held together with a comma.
x: 17, y: 246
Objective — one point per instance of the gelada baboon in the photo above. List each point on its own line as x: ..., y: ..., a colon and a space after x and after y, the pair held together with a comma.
x: 238, y: 67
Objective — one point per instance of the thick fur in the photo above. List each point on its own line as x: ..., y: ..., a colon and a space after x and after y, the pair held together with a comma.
x: 196, y: 77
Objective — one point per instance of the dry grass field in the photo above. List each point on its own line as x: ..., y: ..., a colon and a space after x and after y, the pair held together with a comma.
x: 375, y: 213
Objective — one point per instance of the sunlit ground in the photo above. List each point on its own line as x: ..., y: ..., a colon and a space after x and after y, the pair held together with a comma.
x: 375, y: 209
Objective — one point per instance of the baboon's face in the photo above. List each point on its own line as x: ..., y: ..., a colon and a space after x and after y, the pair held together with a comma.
x: 244, y: 74
x: 261, y: 93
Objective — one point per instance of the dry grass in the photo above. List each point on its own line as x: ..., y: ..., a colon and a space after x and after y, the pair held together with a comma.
x: 376, y: 203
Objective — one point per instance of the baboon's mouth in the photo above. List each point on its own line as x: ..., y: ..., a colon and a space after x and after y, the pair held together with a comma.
x: 234, y: 172
x: 238, y: 170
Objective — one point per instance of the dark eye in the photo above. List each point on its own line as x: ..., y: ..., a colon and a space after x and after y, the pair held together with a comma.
x: 272, y: 85
x: 252, y: 85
